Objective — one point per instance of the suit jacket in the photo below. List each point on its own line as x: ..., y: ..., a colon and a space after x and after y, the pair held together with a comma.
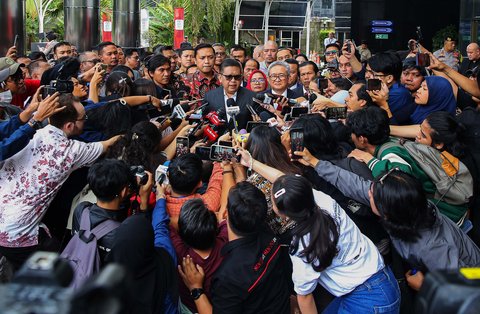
x: 216, y: 101
x: 298, y: 91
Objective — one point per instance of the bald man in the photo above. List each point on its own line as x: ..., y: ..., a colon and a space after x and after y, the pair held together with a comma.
x: 270, y: 50
x: 473, y: 54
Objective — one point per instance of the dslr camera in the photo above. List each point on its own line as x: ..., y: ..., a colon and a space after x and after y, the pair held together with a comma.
x: 41, y: 286
x: 61, y: 86
x: 138, y: 172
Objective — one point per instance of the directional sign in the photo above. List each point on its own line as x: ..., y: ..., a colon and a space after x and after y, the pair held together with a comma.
x: 381, y: 23
x: 381, y: 30
x: 381, y: 36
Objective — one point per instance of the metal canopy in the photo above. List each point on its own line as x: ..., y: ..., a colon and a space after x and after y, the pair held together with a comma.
x: 289, y: 14
x: 254, y: 15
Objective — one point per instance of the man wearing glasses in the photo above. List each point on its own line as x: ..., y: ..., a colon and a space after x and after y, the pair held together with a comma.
x: 278, y: 75
x: 220, y: 55
x: 15, y: 90
x: 88, y: 59
x: 218, y: 99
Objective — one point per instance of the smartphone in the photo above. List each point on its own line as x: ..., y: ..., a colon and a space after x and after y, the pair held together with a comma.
x: 322, y: 84
x: 298, y: 111
x: 251, y: 110
x: 48, y: 90
x: 252, y: 125
x: 287, y: 117
x: 225, y: 143
x: 153, y: 113
x: 15, y: 41
x: 349, y: 46
x: 422, y: 59
x: 374, y: 84
x: 203, y: 152
x: 103, y: 67
x: 296, y: 141
x: 182, y: 147
x: 223, y: 153
x: 335, y: 113
x: 161, y: 175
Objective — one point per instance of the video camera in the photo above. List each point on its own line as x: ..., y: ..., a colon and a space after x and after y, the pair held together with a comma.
x: 40, y: 287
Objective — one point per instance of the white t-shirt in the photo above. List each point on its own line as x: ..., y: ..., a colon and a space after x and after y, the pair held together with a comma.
x: 356, y: 261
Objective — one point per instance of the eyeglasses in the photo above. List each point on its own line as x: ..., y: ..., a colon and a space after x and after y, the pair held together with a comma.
x: 230, y: 77
x: 387, y: 174
x: 259, y: 80
x: 331, y: 52
x: 277, y: 77
x: 85, y: 118
x: 221, y: 54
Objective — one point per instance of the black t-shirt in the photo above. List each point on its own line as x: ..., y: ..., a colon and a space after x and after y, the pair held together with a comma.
x: 253, y: 277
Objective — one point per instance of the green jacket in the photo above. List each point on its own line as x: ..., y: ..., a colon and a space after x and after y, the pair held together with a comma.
x: 391, y: 154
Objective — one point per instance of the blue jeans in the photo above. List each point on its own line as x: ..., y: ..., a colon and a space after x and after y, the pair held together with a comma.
x: 379, y: 294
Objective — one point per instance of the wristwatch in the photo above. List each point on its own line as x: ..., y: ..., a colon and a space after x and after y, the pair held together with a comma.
x: 196, y: 293
x: 35, y: 124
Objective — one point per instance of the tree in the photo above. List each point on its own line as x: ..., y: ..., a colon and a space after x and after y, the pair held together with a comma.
x: 42, y: 10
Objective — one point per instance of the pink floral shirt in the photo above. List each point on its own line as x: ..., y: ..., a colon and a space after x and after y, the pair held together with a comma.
x: 30, y: 180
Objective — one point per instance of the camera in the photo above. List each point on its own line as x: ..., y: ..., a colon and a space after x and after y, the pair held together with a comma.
x: 138, y: 172
x: 61, y: 86
x: 40, y: 286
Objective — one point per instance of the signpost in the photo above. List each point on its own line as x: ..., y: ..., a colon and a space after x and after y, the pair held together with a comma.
x: 381, y: 36
x: 381, y: 23
x: 381, y: 30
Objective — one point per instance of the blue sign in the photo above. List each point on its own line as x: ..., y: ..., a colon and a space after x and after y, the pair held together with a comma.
x: 381, y: 23
x: 381, y: 30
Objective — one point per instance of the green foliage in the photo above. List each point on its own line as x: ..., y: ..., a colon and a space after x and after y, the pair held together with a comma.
x: 438, y: 38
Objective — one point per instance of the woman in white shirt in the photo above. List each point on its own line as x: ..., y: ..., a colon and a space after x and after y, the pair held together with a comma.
x: 328, y: 249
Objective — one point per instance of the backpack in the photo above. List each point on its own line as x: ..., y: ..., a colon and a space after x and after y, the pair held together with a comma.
x: 82, y: 251
x: 452, y: 179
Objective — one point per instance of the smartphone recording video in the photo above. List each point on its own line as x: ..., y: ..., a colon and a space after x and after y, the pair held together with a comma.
x: 223, y: 153
x: 335, y: 113
x: 298, y: 111
x: 374, y: 84
x: 296, y: 141
x: 422, y: 59
x: 252, y: 125
x: 182, y: 147
x: 203, y: 152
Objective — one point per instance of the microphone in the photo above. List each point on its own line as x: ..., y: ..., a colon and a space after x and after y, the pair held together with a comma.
x: 270, y: 98
x: 233, y: 110
x: 210, y: 134
x: 265, y: 115
x: 178, y: 112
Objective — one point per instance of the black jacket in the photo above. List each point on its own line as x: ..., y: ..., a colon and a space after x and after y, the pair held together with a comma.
x: 98, y: 215
x: 248, y: 281
x: 216, y: 101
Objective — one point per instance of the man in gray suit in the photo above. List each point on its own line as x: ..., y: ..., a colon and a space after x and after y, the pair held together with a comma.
x: 218, y: 99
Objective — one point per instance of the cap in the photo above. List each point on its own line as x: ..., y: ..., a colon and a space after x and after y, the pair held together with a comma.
x: 10, y: 64
x: 4, y: 74
x: 449, y: 38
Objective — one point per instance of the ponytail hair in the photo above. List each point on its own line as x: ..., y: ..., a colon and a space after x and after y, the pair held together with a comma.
x: 293, y: 197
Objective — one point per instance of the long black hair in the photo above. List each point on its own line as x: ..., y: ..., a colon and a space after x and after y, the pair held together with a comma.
x: 318, y: 137
x: 447, y: 131
x: 265, y: 145
x: 293, y: 196
x: 403, y: 205
x: 138, y: 145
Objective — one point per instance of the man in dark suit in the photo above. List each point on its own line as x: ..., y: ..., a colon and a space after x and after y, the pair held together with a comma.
x: 218, y: 99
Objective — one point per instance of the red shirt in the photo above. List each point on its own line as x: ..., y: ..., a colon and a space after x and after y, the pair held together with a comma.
x: 200, y: 85
x: 31, y: 86
x: 209, y: 264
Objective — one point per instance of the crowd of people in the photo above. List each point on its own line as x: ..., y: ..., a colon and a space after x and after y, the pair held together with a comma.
x: 316, y: 213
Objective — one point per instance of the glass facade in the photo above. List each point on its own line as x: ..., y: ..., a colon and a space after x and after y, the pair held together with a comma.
x: 469, y: 25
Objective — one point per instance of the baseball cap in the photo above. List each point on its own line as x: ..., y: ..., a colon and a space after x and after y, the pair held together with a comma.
x: 4, y: 74
x: 10, y: 64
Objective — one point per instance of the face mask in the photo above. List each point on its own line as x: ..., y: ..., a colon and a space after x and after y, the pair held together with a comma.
x: 6, y: 97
